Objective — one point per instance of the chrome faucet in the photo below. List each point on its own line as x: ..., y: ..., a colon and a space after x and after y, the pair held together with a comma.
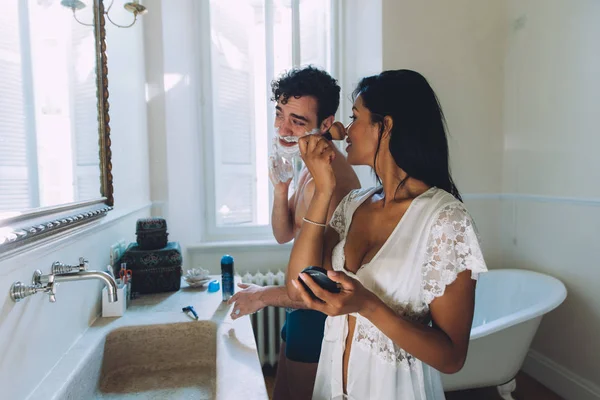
x: 62, y: 273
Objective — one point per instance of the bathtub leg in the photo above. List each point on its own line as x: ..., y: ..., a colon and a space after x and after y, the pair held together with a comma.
x: 506, y: 390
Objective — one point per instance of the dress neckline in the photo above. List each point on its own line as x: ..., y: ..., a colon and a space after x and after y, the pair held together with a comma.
x: 385, y: 244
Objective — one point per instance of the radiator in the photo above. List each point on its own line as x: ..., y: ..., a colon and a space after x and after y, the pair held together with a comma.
x: 267, y: 323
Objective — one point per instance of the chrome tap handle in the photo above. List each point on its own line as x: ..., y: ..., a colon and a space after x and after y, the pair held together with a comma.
x: 59, y: 268
x: 51, y: 290
x: 19, y: 291
x: 46, y: 284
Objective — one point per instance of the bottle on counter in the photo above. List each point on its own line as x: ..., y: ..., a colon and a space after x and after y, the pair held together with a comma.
x: 227, y: 276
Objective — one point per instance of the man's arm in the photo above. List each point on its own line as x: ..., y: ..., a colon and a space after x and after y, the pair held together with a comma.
x: 254, y: 298
x: 282, y: 217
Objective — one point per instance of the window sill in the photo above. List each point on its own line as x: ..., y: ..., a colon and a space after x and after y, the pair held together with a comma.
x: 240, y: 245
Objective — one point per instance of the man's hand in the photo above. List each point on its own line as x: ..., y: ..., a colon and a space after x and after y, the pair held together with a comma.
x: 281, y: 172
x: 247, y: 301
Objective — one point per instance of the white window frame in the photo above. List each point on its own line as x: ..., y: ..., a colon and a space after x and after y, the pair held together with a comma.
x: 210, y: 231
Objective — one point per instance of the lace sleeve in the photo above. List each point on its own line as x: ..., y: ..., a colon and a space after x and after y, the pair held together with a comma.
x: 338, y: 219
x: 453, y: 247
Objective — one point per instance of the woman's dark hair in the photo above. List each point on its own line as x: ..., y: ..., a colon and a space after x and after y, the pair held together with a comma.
x: 309, y: 81
x: 418, y: 138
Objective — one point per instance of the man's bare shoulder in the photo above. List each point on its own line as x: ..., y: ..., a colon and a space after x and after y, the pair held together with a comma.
x: 347, y: 180
x: 342, y: 188
x: 308, y: 189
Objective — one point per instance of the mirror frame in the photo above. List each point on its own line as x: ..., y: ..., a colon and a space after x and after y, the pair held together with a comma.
x: 19, y: 232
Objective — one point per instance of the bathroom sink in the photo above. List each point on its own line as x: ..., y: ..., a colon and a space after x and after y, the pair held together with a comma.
x: 156, y: 351
x: 169, y: 361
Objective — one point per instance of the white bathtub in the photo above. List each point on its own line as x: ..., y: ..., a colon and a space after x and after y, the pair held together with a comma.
x: 509, y: 305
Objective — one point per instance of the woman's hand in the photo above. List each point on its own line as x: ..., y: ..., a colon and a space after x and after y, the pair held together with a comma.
x: 317, y: 154
x: 353, y: 297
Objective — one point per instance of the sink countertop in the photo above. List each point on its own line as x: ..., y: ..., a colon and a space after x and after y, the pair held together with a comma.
x: 238, y: 369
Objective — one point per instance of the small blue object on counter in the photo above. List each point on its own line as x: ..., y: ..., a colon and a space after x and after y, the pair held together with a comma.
x: 214, y: 286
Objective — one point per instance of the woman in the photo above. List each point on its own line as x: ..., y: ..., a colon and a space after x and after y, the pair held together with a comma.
x: 404, y: 254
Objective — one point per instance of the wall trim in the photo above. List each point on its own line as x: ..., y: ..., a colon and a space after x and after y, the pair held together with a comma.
x: 59, y: 241
x: 551, y: 199
x: 481, y: 196
x: 559, y: 379
x: 533, y: 198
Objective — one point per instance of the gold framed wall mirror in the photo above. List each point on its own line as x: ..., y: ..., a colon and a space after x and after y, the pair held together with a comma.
x: 55, y: 147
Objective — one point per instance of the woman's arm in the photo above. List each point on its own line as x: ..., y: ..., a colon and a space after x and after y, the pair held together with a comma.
x: 443, y: 346
x: 308, y: 245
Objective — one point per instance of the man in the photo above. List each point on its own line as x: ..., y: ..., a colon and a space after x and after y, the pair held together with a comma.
x: 306, y: 102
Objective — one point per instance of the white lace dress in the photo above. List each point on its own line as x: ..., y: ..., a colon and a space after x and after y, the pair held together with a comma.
x: 433, y: 242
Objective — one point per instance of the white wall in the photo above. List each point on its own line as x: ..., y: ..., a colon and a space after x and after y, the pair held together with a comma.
x: 459, y: 47
x: 155, y: 96
x: 361, y: 50
x: 552, y: 176
x: 34, y: 333
x: 172, y: 67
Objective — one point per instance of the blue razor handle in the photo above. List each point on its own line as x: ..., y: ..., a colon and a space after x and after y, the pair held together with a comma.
x: 190, y: 309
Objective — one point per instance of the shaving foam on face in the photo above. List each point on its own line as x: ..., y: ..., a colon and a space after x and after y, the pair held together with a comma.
x: 291, y: 151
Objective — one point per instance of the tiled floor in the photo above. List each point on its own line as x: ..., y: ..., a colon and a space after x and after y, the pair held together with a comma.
x: 527, y: 389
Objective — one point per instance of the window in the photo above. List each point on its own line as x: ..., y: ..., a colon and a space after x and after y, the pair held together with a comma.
x: 251, y: 42
x: 48, y: 118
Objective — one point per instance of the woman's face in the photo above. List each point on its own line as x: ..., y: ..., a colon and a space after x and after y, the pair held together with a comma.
x: 363, y: 136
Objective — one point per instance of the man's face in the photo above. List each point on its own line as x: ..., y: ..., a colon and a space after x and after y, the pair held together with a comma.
x: 296, y: 118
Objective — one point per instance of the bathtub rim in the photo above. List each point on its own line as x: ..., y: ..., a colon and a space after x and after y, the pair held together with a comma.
x: 555, y: 298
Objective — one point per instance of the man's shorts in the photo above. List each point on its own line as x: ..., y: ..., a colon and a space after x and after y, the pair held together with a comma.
x: 303, y: 335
